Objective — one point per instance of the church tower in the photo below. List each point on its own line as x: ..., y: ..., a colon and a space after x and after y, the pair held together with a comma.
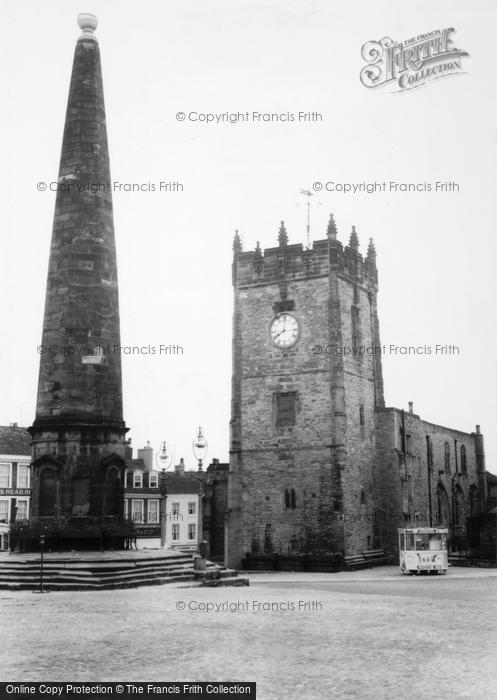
x: 78, y: 433
x: 306, y: 380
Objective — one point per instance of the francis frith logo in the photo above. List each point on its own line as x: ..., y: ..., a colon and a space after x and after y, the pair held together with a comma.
x: 411, y: 63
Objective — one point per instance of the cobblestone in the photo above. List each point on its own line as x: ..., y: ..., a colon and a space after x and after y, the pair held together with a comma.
x: 367, y: 634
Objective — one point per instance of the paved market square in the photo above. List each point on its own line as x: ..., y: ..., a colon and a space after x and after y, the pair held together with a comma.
x: 364, y: 634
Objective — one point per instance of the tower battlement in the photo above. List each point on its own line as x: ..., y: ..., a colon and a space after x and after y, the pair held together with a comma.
x: 295, y: 262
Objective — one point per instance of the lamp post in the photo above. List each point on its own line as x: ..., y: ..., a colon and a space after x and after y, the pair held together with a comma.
x: 200, y: 446
x: 42, y: 545
x: 163, y: 459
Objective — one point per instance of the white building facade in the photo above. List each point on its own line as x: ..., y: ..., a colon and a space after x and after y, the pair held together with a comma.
x: 183, y: 511
x: 15, y: 478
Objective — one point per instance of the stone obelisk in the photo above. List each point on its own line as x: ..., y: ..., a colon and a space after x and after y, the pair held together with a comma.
x: 78, y: 433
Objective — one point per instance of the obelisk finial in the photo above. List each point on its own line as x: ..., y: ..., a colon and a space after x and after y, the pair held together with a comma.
x: 87, y: 23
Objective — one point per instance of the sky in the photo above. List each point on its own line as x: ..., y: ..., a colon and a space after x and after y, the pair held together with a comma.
x: 436, y: 250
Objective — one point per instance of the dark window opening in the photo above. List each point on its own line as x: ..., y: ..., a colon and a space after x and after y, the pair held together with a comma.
x: 290, y: 499
x: 361, y: 415
x: 355, y: 322
x: 464, y: 465
x: 285, y: 408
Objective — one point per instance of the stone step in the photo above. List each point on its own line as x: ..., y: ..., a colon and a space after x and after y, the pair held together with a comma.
x: 87, y: 586
x: 226, y: 581
x: 86, y: 577
x: 91, y: 574
x: 213, y: 574
x: 106, y: 571
x: 92, y: 564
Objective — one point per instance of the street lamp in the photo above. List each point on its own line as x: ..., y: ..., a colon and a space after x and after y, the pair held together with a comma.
x: 200, y: 453
x: 200, y: 447
x: 42, y: 546
x: 163, y: 460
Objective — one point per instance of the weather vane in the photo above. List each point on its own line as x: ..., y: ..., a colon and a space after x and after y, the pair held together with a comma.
x: 308, y: 194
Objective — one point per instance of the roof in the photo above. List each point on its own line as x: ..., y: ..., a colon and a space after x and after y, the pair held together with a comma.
x: 135, y: 464
x: 218, y: 467
x: 15, y: 440
x: 491, y: 478
x: 189, y: 483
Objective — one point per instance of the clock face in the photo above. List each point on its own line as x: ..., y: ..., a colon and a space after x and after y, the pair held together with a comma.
x: 284, y: 330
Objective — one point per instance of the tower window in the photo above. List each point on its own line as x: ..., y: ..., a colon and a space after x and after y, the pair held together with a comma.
x: 290, y: 499
x: 363, y: 497
x: 355, y: 323
x: 285, y: 408
x: 361, y: 415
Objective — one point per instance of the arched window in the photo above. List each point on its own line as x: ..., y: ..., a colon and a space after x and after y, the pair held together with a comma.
x: 447, y: 458
x: 48, y: 492
x: 464, y: 465
x: 112, y: 491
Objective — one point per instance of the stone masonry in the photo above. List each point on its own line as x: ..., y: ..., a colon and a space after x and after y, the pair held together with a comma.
x: 426, y: 475
x: 78, y: 432
x: 344, y: 472
x: 322, y: 463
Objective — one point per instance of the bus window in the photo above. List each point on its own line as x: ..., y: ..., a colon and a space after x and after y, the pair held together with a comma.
x: 410, y: 541
x: 444, y: 541
x: 435, y: 543
x: 421, y: 542
x: 402, y: 541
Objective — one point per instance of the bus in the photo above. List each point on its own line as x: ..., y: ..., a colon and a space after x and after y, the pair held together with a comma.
x: 423, y: 550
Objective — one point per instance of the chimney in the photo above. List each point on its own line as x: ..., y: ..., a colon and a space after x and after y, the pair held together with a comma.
x: 128, y: 450
x: 180, y: 468
x: 147, y: 454
x: 411, y: 407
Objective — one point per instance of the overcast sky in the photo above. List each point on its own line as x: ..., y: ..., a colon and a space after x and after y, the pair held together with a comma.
x: 436, y: 251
